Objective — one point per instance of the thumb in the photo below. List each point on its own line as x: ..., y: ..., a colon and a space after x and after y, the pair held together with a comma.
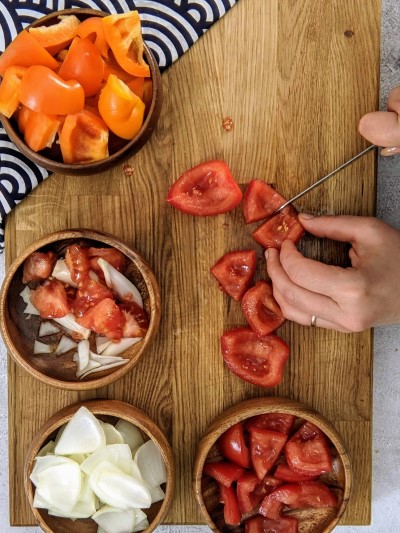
x: 336, y: 227
x: 381, y: 128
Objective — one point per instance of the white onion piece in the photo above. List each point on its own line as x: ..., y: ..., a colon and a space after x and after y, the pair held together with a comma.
x: 42, y: 463
x: 115, y: 348
x: 135, y: 472
x: 92, y: 365
x: 157, y: 494
x: 140, y: 526
x: 120, y: 284
x: 39, y: 502
x: 47, y: 328
x: 117, y: 489
x: 26, y: 294
x: 100, y: 368
x: 85, y: 506
x: 82, y: 434
x: 112, y: 435
x: 47, y: 449
x: 113, y: 520
x: 83, y: 354
x: 65, y: 345
x: 151, y: 464
x: 41, y: 348
x: 78, y: 457
x: 130, y: 433
x: 30, y: 309
x: 102, y: 343
x: 93, y: 275
x: 62, y: 273
x: 104, y: 359
x: 119, y: 455
x: 68, y: 322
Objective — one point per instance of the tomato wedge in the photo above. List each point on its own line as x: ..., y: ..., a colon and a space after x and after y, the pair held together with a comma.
x: 251, y: 491
x: 285, y: 473
x: 275, y: 421
x: 235, y: 271
x: 265, y: 448
x: 287, y: 524
x: 260, y: 201
x: 307, y: 452
x: 105, y: 318
x: 233, y: 446
x: 38, y: 266
x: 258, y: 361
x: 9, y: 90
x: 232, y: 514
x: 261, y: 310
x: 56, y: 37
x: 90, y: 294
x: 206, y: 189
x: 39, y: 130
x: 77, y: 260
x: 284, y: 225
x: 50, y: 299
x: 223, y: 472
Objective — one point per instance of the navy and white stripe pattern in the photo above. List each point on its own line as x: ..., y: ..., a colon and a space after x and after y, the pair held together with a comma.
x: 170, y: 27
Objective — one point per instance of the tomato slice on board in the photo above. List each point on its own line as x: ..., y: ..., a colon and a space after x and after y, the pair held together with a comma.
x: 50, y: 299
x: 259, y: 524
x: 285, y: 473
x: 261, y: 310
x: 258, y: 361
x: 206, y: 189
x: 251, y: 491
x: 223, y: 472
x: 233, y: 446
x: 275, y: 421
x: 297, y: 496
x: 105, y: 318
x: 260, y: 201
x: 284, y: 225
x: 38, y: 266
x: 265, y: 448
x: 232, y: 514
x: 57, y: 36
x: 235, y: 271
x: 39, y: 130
x: 9, y: 90
x: 307, y: 452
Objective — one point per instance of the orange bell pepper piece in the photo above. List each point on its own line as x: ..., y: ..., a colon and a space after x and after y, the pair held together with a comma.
x: 39, y: 130
x: 9, y: 89
x: 136, y: 85
x: 124, y: 35
x: 56, y: 37
x: 121, y: 109
x: 25, y: 51
x: 44, y: 91
x: 83, y: 138
x: 93, y: 28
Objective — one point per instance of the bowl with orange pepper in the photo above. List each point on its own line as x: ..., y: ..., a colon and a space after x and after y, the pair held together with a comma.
x: 80, y: 90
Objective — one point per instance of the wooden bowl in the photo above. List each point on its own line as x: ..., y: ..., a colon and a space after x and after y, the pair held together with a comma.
x: 119, y: 149
x: 311, y: 520
x: 19, y: 333
x: 107, y: 411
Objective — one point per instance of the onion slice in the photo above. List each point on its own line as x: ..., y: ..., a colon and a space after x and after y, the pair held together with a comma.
x: 120, y: 284
x: 130, y: 433
x: 102, y: 343
x: 113, y: 436
x: 114, y: 520
x: 62, y: 273
x: 41, y: 348
x: 65, y: 345
x: 151, y: 464
x: 85, y: 507
x: 47, y: 328
x: 30, y: 309
x: 68, y: 322
x: 115, y: 348
x: 100, y: 368
x: 82, y: 434
x: 118, y: 455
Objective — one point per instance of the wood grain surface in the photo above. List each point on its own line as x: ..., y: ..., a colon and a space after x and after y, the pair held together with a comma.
x: 295, y: 76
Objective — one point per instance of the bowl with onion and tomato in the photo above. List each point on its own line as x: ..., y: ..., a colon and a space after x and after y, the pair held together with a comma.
x: 99, y: 465
x: 272, y: 464
x: 78, y: 309
x: 80, y: 90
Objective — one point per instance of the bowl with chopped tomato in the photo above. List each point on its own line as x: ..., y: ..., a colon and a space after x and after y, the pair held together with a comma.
x: 99, y: 465
x: 80, y: 90
x: 270, y: 465
x: 78, y: 308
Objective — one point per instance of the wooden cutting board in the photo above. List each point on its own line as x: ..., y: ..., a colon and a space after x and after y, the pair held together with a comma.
x: 295, y: 77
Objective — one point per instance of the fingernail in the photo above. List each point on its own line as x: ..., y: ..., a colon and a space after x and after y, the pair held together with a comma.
x: 266, y: 255
x: 391, y: 150
x: 306, y: 216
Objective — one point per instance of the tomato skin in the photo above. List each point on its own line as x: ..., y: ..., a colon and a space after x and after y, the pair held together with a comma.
x: 260, y: 201
x: 258, y: 361
x: 282, y: 226
x: 287, y: 524
x: 205, y: 190
x: 232, y: 515
x: 307, y: 452
x: 265, y: 448
x: 38, y: 266
x: 274, y: 421
x: 233, y: 446
x: 223, y: 472
x: 105, y: 318
x: 9, y: 90
x: 251, y: 491
x: 261, y: 310
x: 285, y: 473
x: 234, y: 272
x: 50, y: 299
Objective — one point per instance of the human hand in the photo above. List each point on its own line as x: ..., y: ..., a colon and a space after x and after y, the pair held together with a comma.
x: 346, y: 299
x: 383, y: 127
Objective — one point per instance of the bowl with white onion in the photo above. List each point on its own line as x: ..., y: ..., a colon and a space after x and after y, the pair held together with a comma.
x: 100, y: 466
x: 78, y: 308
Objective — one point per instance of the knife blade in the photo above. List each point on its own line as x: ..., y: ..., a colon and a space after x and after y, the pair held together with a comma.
x: 322, y: 180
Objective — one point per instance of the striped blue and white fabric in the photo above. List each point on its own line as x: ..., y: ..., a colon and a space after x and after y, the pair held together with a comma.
x: 170, y: 27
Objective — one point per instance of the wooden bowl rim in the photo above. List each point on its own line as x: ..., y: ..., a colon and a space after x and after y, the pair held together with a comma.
x: 109, y: 408
x: 148, y: 277
x: 257, y: 406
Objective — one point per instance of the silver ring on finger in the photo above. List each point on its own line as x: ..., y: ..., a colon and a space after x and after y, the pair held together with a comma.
x: 313, y: 321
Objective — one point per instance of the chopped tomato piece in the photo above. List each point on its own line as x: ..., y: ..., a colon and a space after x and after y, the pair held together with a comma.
x: 25, y: 51
x: 284, y: 225
x: 265, y: 448
x: 50, y: 299
x: 233, y: 446
x: 232, y: 515
x: 275, y: 421
x: 38, y: 266
x: 285, y: 473
x: 83, y: 138
x: 307, y: 452
x: 258, y: 361
x: 44, y: 91
x: 56, y: 37
x: 251, y: 491
x: 39, y: 130
x: 261, y: 310
x: 105, y: 318
x: 207, y: 189
x: 77, y: 260
x: 223, y: 472
x: 9, y: 90
x: 286, y: 524
x: 113, y: 256
x: 235, y: 271
x: 124, y: 35
x: 89, y: 295
x: 92, y: 28
x: 136, y: 320
x: 260, y: 201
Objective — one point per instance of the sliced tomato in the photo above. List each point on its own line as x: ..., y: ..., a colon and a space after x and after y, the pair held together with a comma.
x: 285, y: 473
x: 251, y: 491
x: 89, y: 295
x: 105, y: 318
x: 113, y: 256
x: 233, y: 446
x: 232, y: 515
x: 307, y: 452
x: 39, y: 130
x: 38, y: 266
x: 204, y: 190
x: 260, y: 201
x: 136, y: 319
x: 235, y: 271
x: 297, y: 496
x: 258, y: 361
x: 57, y: 36
x: 77, y: 260
x: 275, y: 421
x: 9, y: 90
x: 261, y: 310
x: 223, y: 471
x: 50, y: 299
x: 265, y: 448
x: 92, y: 27
x: 287, y: 524
x: 284, y: 225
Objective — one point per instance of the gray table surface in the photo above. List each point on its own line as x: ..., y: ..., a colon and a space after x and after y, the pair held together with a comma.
x: 386, y: 429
